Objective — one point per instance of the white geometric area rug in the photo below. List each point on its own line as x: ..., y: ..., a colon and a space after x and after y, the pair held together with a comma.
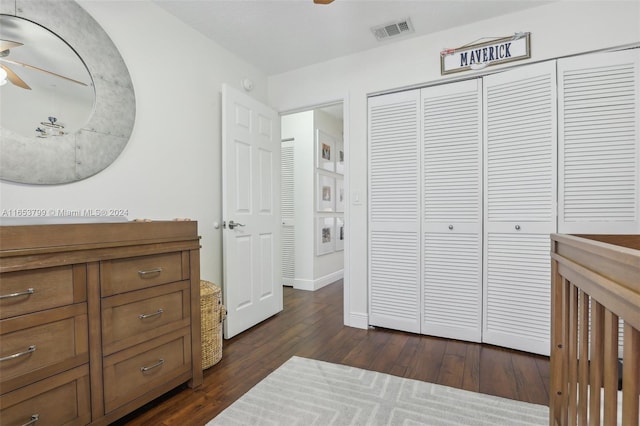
x: 309, y: 392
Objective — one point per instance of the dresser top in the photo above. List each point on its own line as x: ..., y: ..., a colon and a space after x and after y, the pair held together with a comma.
x: 15, y: 240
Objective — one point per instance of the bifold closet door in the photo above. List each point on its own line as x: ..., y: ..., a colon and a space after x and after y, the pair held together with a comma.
x: 599, y: 143
x: 452, y: 210
x: 394, y: 217
x: 287, y: 209
x: 520, y: 128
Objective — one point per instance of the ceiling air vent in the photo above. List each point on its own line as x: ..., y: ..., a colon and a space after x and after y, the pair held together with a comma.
x: 393, y: 29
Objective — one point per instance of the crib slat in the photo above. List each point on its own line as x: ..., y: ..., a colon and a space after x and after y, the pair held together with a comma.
x: 631, y: 376
x: 573, y: 355
x: 597, y: 349
x: 556, y: 396
x: 564, y: 412
x: 610, y: 367
x: 583, y: 363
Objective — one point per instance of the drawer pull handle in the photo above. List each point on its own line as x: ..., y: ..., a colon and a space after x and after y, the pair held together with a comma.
x: 29, y: 350
x: 151, y: 367
x: 20, y: 293
x: 34, y: 418
x: 143, y: 274
x: 145, y: 316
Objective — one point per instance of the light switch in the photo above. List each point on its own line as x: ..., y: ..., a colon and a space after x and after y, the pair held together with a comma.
x: 356, y: 198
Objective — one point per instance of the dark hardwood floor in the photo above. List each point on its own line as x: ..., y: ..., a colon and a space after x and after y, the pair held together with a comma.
x: 311, y: 325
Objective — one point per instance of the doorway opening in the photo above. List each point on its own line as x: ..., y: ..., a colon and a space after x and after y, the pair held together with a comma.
x: 313, y: 198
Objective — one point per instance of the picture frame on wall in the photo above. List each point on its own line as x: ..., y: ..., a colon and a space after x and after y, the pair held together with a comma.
x: 339, y: 233
x: 339, y: 158
x: 339, y: 195
x: 325, y: 152
x: 325, y: 235
x: 325, y: 193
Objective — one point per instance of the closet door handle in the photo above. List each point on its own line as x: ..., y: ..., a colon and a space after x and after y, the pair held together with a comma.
x: 517, y: 227
x: 451, y: 227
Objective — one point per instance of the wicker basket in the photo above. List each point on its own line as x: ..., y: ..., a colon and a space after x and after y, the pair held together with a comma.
x: 212, y: 313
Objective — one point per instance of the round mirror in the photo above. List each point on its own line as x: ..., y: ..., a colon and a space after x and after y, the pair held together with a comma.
x: 59, y: 90
x: 67, y: 107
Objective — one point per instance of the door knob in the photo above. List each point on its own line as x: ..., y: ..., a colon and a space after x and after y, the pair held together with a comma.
x: 233, y: 224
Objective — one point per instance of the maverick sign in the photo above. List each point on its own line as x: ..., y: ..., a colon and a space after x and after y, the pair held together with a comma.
x: 478, y: 56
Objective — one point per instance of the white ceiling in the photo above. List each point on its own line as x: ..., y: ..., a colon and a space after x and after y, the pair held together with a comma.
x: 281, y: 35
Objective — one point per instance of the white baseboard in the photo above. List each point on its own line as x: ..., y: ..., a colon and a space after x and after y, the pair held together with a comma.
x: 358, y: 320
x: 289, y: 282
x: 318, y: 283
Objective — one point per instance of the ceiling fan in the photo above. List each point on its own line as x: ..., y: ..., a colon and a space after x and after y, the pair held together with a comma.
x: 5, y: 49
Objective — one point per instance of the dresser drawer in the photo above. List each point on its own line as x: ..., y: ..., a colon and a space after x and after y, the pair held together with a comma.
x: 60, y: 400
x: 135, y: 273
x: 34, y: 290
x: 132, y: 318
x: 133, y: 372
x: 38, y: 345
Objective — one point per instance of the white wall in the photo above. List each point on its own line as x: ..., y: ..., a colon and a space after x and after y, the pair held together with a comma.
x: 558, y: 29
x: 171, y: 166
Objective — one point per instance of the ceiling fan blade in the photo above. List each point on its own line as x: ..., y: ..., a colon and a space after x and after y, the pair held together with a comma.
x: 322, y: 1
x: 42, y: 70
x: 8, y: 44
x: 13, y: 78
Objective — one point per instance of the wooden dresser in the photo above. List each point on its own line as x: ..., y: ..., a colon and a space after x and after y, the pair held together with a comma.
x: 96, y: 319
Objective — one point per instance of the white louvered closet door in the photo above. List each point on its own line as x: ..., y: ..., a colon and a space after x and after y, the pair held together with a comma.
x: 288, y: 213
x: 599, y: 143
x: 394, y: 219
x: 520, y: 128
x: 452, y: 211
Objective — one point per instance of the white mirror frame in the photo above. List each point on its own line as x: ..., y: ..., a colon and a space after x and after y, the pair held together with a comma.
x: 98, y: 143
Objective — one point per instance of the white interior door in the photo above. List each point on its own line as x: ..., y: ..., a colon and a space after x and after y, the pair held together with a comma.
x: 452, y: 210
x: 252, y: 287
x: 520, y: 123
x: 394, y: 211
x: 287, y: 204
x: 599, y: 143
